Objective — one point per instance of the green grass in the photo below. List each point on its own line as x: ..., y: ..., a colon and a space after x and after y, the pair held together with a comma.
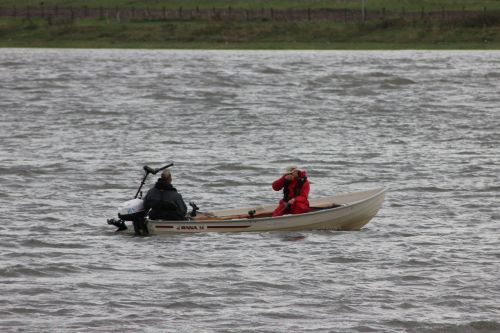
x: 389, y: 34
x: 395, y: 33
x: 409, y: 5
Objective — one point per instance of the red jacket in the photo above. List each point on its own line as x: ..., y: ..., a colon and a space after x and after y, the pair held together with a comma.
x: 301, y: 204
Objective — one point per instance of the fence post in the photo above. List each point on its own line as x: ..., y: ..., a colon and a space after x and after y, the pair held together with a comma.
x: 383, y: 13
x: 363, y: 11
x: 56, y: 11
x: 442, y: 13
x: 422, y: 13
x: 101, y: 14
x: 309, y: 14
x: 272, y: 14
x: 72, y: 13
x: 14, y: 11
x: 28, y: 16
x: 42, y: 10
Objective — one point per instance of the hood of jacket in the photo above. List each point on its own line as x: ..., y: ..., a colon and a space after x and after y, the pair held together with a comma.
x: 164, y: 185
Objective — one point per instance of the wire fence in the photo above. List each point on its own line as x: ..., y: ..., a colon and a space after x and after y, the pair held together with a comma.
x: 234, y: 14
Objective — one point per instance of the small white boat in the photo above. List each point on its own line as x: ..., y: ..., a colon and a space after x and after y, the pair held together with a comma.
x: 349, y: 211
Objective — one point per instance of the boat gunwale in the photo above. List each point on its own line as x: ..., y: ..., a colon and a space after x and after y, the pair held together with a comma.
x: 379, y: 191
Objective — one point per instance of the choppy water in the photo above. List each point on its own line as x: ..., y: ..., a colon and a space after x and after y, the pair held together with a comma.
x: 77, y: 126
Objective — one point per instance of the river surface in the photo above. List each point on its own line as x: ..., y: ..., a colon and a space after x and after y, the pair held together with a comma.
x: 76, y: 127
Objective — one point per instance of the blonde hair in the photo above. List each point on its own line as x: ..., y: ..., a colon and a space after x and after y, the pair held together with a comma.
x: 291, y: 168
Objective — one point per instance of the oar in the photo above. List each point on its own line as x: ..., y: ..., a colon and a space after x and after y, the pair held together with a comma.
x: 251, y: 215
x: 334, y: 205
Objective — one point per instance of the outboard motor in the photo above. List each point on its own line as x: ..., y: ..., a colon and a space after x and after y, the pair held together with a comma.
x: 131, y: 210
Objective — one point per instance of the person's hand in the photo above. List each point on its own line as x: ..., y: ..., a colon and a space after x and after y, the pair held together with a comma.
x: 291, y: 201
x: 288, y: 176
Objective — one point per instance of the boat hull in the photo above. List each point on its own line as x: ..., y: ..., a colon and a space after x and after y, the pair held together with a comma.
x: 354, y: 211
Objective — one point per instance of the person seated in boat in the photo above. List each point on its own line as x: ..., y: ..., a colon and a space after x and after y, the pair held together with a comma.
x: 295, y: 188
x: 164, y: 200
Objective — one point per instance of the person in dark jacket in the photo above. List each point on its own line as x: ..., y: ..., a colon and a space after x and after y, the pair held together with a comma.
x: 295, y: 188
x: 164, y: 200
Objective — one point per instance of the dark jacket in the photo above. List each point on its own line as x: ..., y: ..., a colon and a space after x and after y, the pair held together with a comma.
x: 165, y: 203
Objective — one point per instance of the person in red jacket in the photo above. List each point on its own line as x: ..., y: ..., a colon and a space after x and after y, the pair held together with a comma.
x: 295, y: 192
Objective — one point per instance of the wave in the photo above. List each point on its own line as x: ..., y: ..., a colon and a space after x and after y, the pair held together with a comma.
x: 470, y: 327
x: 493, y: 75
x: 51, y: 270
x: 269, y: 70
x: 399, y: 81
x: 35, y: 243
x: 431, y: 189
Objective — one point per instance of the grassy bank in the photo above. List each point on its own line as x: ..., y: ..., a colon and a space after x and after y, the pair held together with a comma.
x: 387, y: 34
x: 35, y: 27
